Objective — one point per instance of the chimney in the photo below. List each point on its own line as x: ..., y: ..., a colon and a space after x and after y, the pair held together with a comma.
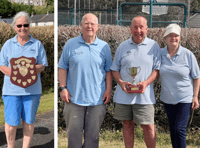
x: 48, y: 12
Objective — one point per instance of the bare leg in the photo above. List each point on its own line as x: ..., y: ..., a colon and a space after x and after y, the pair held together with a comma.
x: 149, y: 135
x: 10, y: 135
x: 28, y: 130
x: 128, y: 133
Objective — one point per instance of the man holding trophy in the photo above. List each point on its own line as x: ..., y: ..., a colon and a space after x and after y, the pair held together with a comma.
x: 135, y: 67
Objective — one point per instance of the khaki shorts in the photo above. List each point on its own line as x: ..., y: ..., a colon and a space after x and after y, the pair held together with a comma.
x: 139, y: 113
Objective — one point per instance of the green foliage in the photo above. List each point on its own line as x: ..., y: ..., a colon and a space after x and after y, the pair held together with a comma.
x: 8, y: 9
x: 195, y: 5
x: 193, y: 137
x: 5, y: 8
x: 43, y: 9
x: 111, y: 136
x: 46, y: 103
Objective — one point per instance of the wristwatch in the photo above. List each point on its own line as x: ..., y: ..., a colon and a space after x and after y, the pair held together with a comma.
x: 61, y: 88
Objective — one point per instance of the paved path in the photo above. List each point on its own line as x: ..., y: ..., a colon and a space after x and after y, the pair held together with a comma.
x: 43, y: 136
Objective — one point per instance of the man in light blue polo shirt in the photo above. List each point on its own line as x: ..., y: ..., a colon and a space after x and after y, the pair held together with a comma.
x: 85, y: 83
x: 131, y: 108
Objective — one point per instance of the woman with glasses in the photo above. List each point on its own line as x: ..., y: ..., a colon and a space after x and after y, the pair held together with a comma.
x: 180, y: 80
x: 22, y: 59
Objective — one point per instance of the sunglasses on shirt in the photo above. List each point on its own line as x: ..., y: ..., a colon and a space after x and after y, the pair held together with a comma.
x: 20, y: 25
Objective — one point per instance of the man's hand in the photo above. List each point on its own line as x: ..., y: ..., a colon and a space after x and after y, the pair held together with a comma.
x: 195, y: 103
x: 123, y: 86
x: 65, y: 95
x: 107, y: 96
x: 144, y: 84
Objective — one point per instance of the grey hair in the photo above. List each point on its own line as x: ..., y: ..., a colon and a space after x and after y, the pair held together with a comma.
x: 18, y: 15
x: 141, y: 17
x: 83, y: 18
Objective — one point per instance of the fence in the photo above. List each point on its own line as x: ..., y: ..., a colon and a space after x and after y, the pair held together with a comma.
x: 175, y: 14
x: 66, y: 17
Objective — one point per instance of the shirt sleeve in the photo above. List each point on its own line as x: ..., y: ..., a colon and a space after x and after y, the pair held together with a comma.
x: 63, y: 62
x: 194, y: 68
x: 42, y: 58
x: 157, y: 57
x: 108, y: 58
x: 3, y: 55
x: 116, y: 65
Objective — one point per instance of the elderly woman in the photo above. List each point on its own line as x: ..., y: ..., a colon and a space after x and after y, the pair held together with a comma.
x: 180, y: 75
x: 22, y: 59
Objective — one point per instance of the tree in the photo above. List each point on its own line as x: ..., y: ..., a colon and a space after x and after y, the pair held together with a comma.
x: 49, y: 2
x: 195, y: 5
x: 5, y: 8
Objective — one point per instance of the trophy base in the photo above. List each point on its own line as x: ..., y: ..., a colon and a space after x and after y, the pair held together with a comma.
x: 133, y: 88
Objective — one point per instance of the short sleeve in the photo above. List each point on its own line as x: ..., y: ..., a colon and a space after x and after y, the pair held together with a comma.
x: 108, y: 58
x: 194, y: 68
x: 42, y: 58
x: 3, y: 55
x: 157, y: 57
x: 63, y: 62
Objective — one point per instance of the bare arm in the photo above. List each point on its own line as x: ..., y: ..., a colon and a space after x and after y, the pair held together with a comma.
x: 107, y: 93
x: 119, y: 80
x: 5, y: 70
x: 62, y: 77
x: 39, y: 68
x: 150, y: 79
x: 195, y: 101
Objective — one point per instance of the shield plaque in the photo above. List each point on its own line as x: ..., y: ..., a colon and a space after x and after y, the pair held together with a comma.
x: 23, y: 71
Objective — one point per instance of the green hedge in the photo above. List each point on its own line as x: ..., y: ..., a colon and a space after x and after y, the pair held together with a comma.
x: 114, y: 35
x: 46, y: 36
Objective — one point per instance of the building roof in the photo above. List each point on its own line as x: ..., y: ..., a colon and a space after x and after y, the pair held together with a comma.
x: 43, y: 18
x: 9, y: 21
x: 193, y: 21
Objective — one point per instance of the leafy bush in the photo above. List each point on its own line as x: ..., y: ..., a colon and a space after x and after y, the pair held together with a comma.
x: 114, y: 35
x: 46, y: 36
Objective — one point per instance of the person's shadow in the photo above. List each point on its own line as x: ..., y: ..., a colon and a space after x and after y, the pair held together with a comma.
x: 19, y: 135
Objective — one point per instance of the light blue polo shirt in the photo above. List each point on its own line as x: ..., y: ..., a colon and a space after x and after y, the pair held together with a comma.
x: 13, y: 49
x: 86, y: 67
x: 129, y: 54
x: 177, y: 74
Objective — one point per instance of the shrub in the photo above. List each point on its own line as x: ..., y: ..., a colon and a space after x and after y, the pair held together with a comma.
x: 114, y: 35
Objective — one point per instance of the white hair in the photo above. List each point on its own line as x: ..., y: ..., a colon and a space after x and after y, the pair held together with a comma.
x: 83, y: 18
x: 18, y: 15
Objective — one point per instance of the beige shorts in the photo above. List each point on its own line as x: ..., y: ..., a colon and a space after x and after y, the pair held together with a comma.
x: 139, y: 113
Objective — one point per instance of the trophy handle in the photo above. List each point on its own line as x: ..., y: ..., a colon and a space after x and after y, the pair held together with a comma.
x: 139, y: 70
x: 127, y: 70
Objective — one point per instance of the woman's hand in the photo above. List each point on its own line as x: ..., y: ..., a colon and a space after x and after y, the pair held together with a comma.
x: 5, y: 70
x: 195, y: 103
x: 39, y: 68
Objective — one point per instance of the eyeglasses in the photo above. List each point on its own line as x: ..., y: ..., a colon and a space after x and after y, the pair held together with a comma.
x: 20, y: 25
x: 92, y: 24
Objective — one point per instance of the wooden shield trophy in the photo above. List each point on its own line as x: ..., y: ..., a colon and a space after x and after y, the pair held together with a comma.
x: 23, y: 71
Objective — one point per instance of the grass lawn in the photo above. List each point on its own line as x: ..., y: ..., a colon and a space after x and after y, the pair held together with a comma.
x: 46, y: 104
x: 115, y: 140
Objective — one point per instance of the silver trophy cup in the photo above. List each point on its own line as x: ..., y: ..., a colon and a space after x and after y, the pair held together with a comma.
x: 133, y: 71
